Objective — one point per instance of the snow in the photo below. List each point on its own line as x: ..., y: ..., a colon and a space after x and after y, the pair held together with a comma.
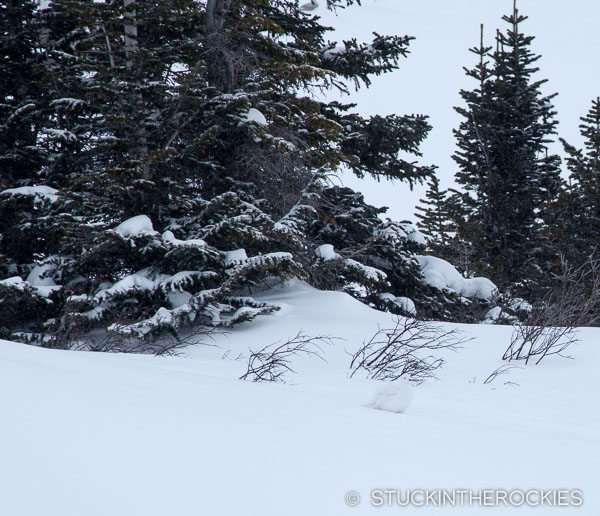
x: 169, y: 237
x: 441, y: 274
x: 40, y: 192
x: 326, y: 252
x: 43, y: 287
x: 141, y: 225
x: 519, y: 304
x: 39, y: 279
x: 406, y: 304
x: 133, y: 282
x: 371, y: 273
x: 254, y: 115
x: 69, y: 102
x: 95, y: 434
x: 493, y: 315
x: 413, y: 234
x: 14, y: 282
x: 235, y: 257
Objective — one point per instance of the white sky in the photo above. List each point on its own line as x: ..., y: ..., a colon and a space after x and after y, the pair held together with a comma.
x: 429, y: 80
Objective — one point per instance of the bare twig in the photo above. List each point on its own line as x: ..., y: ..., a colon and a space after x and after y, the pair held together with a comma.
x: 502, y: 370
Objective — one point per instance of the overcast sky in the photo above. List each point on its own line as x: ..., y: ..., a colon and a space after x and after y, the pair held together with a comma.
x: 428, y: 82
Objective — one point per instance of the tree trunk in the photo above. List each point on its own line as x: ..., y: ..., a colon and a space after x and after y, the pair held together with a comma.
x: 140, y: 151
x: 219, y: 58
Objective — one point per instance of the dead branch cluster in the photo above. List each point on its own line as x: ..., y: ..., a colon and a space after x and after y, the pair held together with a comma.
x: 551, y: 325
x: 407, y: 350
x: 170, y: 343
x: 273, y: 362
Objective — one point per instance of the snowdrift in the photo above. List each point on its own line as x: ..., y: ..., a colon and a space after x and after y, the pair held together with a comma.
x: 98, y: 434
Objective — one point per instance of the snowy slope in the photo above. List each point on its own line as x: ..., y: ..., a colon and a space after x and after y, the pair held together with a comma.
x: 122, y: 435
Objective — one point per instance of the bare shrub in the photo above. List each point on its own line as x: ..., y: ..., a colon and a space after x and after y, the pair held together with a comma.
x: 169, y: 344
x: 551, y: 325
x: 273, y: 362
x: 405, y: 351
x: 501, y: 371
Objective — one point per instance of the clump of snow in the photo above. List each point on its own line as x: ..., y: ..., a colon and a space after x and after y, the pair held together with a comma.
x: 68, y: 102
x: 40, y: 192
x: 414, y: 235
x: 140, y: 225
x: 235, y: 257
x: 170, y: 238
x: 40, y: 280
x: 333, y: 52
x: 254, y: 115
x: 133, y: 282
x: 441, y: 274
x: 38, y: 277
x: 493, y: 315
x: 370, y: 273
x: 326, y: 252
x: 520, y: 305
x: 21, y: 284
x: 395, y: 397
x: 14, y: 281
x: 405, y: 304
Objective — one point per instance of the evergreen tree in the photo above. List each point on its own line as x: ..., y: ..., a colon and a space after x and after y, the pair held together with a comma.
x: 435, y: 220
x: 508, y: 176
x: 376, y: 261
x: 22, y: 93
x: 188, y: 162
x: 574, y: 233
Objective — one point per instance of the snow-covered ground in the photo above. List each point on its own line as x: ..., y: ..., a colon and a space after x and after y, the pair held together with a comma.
x: 121, y: 435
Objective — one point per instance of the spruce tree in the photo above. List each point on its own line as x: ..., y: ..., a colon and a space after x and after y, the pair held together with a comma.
x: 189, y: 162
x: 508, y: 176
x: 434, y: 219
x: 574, y: 233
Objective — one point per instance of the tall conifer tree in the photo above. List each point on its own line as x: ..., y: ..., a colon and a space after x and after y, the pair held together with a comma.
x: 505, y: 168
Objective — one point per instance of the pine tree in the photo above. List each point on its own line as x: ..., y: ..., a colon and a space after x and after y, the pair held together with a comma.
x: 188, y: 163
x: 509, y: 177
x: 574, y: 233
x: 435, y: 220
x: 22, y: 94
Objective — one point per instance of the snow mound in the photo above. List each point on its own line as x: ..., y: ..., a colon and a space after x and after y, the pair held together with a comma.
x: 254, y: 115
x: 405, y: 304
x: 441, y: 274
x: 39, y: 278
x: 326, y: 252
x: 40, y: 192
x: 395, y: 397
x: 140, y: 225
